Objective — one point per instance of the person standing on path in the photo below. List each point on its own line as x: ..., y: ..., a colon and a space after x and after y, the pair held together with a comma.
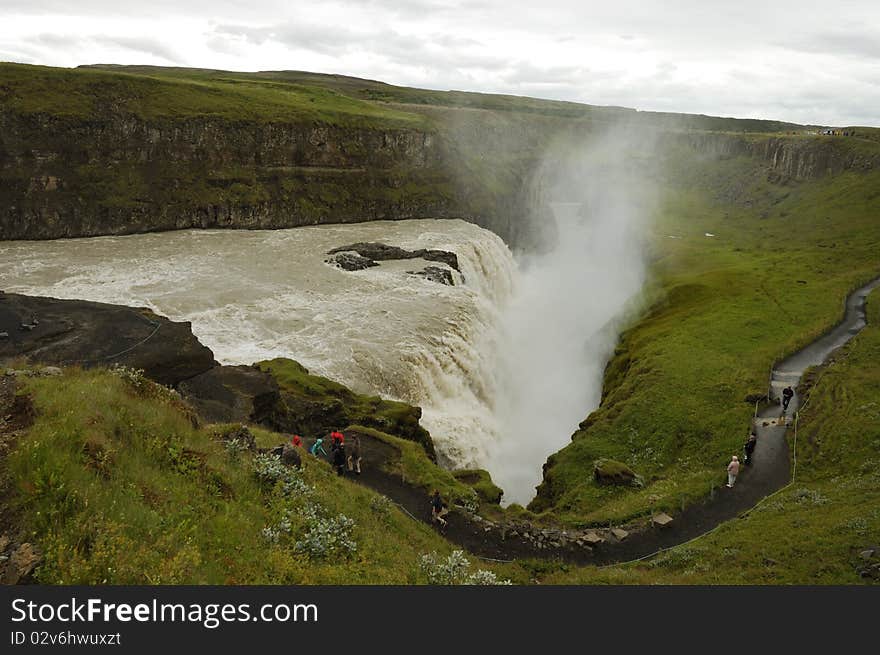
x: 339, y: 458
x: 354, y: 455
x: 749, y: 448
x: 732, y: 471
x: 787, y: 395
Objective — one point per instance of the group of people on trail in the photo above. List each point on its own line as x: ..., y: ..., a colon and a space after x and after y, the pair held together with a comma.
x: 338, y: 457
x: 752, y: 441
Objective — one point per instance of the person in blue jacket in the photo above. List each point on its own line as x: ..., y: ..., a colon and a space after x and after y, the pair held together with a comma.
x: 318, y: 445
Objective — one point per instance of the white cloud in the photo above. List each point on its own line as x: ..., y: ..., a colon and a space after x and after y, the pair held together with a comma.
x: 783, y: 60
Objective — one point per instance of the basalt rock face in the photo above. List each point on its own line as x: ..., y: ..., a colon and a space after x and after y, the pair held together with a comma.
x: 795, y: 158
x: 122, y: 174
x: 232, y: 394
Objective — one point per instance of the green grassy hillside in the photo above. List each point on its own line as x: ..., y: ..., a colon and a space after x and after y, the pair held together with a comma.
x: 381, y: 92
x: 115, y: 485
x: 719, y: 311
x: 814, y: 531
x: 89, y: 93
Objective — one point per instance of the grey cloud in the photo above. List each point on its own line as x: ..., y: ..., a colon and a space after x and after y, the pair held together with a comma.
x: 436, y: 50
x: 146, y: 45
x: 852, y: 43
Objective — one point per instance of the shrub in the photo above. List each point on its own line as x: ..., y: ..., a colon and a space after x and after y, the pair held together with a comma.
x: 326, y: 536
x: 455, y: 570
x: 810, y: 496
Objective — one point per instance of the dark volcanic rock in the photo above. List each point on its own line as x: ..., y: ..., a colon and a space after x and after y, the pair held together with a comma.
x: 381, y: 252
x: 78, y: 332
x: 232, y: 394
x: 290, y: 456
x: 436, y: 274
x: 350, y: 261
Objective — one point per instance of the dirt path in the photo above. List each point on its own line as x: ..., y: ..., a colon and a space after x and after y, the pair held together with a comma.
x: 769, y: 472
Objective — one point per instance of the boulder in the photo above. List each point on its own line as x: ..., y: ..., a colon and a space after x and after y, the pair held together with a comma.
x: 350, y: 261
x: 436, y: 274
x: 661, y: 520
x: 290, y: 456
x: 592, y: 539
x: 619, y: 533
x: 609, y: 471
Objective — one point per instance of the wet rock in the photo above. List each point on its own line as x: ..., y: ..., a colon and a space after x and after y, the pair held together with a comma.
x: 350, y: 261
x: 379, y: 252
x: 232, y: 394
x: 436, y: 274
x: 4, y: 335
x: 21, y: 564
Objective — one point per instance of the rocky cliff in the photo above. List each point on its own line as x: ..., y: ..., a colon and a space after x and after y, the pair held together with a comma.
x: 792, y: 157
x: 85, y: 153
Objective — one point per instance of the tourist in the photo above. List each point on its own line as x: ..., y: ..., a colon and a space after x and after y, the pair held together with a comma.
x: 297, y: 441
x: 749, y: 448
x: 732, y: 471
x: 318, y: 445
x: 336, y: 438
x: 354, y: 455
x: 787, y: 395
x: 339, y: 458
x: 438, y: 510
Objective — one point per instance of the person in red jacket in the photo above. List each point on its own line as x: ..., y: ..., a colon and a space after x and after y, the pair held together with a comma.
x: 336, y: 439
x: 297, y: 441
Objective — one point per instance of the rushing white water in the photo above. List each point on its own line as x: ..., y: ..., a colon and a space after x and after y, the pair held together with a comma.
x: 254, y: 295
x: 562, y: 324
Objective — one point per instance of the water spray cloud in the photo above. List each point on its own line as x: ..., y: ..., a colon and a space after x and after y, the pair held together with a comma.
x: 562, y: 324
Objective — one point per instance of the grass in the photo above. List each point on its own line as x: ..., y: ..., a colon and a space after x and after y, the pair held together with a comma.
x: 117, y: 487
x: 88, y: 93
x: 316, y: 405
x: 380, y: 93
x: 813, y: 531
x: 414, y: 468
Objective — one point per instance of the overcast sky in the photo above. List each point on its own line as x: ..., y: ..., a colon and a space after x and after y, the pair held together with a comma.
x: 789, y: 60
